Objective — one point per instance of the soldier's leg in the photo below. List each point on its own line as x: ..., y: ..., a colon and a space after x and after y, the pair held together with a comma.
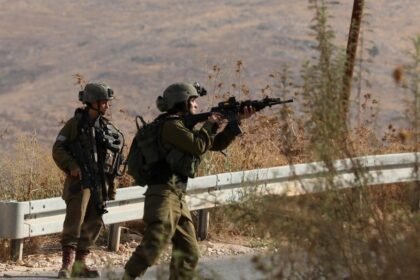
x: 185, y: 252
x: 91, y: 226
x: 160, y: 217
x: 90, y: 230
x: 76, y: 206
x: 67, y: 262
x: 75, y: 212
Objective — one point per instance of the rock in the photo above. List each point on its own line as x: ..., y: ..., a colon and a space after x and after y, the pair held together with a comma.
x: 135, y: 237
x: 28, y: 265
x: 133, y: 244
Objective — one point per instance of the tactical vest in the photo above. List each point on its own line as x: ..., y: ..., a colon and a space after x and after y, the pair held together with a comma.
x: 104, y: 143
x: 98, y: 152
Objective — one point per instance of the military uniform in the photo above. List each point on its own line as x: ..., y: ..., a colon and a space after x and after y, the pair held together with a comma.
x: 82, y: 223
x: 166, y: 212
x: 80, y: 147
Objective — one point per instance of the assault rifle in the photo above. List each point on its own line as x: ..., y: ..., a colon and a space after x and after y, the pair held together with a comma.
x: 230, y: 110
x: 88, y: 179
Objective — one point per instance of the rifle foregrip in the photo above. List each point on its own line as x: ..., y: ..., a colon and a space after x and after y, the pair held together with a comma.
x: 234, y: 127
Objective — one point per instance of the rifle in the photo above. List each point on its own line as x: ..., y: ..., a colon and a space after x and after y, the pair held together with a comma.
x: 230, y: 110
x: 101, y: 165
x: 88, y: 178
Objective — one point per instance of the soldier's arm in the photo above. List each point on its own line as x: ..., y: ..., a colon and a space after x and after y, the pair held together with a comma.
x: 60, y: 151
x: 223, y: 140
x: 196, y: 143
x: 226, y: 137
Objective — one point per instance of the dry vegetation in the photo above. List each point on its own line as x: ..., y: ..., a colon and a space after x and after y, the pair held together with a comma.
x: 28, y: 172
x: 365, y: 233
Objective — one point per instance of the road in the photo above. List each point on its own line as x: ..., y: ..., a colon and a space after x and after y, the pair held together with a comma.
x: 223, y: 267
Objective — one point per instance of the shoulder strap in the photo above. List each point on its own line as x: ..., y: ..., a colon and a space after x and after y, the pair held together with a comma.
x: 167, y: 117
x: 158, y: 120
x: 162, y: 119
x: 81, y: 116
x: 138, y: 117
x: 83, y: 123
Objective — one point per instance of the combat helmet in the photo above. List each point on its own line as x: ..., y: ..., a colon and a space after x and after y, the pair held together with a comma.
x: 94, y: 92
x: 175, y: 94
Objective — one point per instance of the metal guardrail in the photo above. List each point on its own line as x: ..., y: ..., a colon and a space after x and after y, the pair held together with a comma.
x: 20, y: 220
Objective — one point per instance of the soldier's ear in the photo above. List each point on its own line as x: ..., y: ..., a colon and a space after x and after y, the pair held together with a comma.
x: 161, y: 104
x: 81, y: 95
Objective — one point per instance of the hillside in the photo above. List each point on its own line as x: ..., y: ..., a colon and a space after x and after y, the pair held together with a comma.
x: 140, y: 47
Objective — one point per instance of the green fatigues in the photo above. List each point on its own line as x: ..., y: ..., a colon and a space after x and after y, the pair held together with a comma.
x: 166, y: 212
x: 82, y: 224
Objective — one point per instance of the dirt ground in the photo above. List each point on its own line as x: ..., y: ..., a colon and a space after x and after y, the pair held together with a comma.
x: 47, y: 257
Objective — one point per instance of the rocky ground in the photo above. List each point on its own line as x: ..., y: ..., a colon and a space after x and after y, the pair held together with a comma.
x: 48, y: 257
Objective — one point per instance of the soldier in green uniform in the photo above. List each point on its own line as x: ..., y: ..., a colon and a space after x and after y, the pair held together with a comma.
x: 166, y: 212
x: 85, y: 166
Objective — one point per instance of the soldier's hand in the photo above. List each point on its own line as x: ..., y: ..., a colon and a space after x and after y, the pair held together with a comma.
x: 76, y: 173
x: 247, y: 112
x: 218, y: 119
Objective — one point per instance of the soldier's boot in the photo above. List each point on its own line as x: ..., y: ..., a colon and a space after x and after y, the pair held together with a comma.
x: 67, y: 263
x: 128, y: 276
x: 80, y: 268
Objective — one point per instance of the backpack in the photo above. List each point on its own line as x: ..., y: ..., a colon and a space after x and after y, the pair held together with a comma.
x: 145, y: 151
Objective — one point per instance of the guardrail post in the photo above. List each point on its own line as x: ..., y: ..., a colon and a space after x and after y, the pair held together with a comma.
x: 203, y: 224
x: 114, y: 237
x: 16, y: 253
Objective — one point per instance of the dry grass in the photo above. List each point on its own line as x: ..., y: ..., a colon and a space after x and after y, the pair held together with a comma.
x: 28, y: 172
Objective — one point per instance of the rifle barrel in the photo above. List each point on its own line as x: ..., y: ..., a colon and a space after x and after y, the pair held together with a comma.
x: 279, y: 101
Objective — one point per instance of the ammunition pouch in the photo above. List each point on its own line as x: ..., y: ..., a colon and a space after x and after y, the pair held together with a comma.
x: 110, y: 138
x: 182, y: 163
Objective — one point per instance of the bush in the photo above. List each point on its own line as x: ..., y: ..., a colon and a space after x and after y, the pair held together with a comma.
x: 28, y: 172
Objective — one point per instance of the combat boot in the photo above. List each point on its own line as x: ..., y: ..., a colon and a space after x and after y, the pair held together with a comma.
x: 127, y: 276
x: 67, y: 263
x: 80, y: 268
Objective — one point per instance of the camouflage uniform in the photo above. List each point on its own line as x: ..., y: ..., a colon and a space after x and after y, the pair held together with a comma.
x: 82, y: 222
x: 166, y: 212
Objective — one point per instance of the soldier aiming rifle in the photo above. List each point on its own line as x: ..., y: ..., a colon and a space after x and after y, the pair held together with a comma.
x: 163, y: 155
x: 230, y: 109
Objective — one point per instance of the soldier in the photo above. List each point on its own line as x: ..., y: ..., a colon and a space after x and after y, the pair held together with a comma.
x: 86, y: 149
x: 166, y: 212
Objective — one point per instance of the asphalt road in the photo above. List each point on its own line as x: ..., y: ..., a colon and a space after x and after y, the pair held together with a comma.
x: 224, y: 267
